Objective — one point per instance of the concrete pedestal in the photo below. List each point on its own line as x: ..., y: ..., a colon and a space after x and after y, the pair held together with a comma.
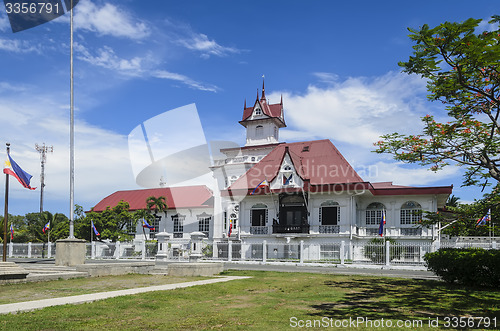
x: 11, y: 272
x: 70, y: 252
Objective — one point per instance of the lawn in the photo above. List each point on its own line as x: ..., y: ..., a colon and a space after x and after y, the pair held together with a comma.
x: 274, y: 301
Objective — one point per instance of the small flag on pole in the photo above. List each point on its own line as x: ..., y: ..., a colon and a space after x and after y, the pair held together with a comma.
x: 230, y: 228
x: 264, y: 183
x: 94, y: 228
x: 482, y: 221
x: 46, y: 227
x: 11, y: 232
x: 13, y: 169
x: 146, y: 225
x: 382, y: 223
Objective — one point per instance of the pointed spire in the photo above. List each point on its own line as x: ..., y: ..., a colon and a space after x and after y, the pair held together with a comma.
x: 245, y: 106
x: 257, y: 94
x: 281, y: 102
x: 263, y: 90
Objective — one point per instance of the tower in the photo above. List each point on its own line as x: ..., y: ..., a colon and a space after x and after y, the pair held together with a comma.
x: 263, y: 121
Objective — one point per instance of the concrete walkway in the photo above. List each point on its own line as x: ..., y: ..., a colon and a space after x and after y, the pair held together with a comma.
x: 77, y: 299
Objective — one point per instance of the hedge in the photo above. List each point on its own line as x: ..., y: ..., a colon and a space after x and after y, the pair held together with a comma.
x: 468, y: 266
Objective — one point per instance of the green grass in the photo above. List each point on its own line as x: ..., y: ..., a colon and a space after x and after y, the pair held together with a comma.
x: 267, y: 301
x: 11, y: 293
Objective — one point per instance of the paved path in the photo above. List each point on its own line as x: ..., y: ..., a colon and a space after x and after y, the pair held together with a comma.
x: 77, y: 299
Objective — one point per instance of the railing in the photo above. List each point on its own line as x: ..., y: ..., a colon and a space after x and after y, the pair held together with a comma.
x: 278, y: 228
x: 259, y: 230
x: 329, y: 229
x: 238, y: 159
x: 295, y: 250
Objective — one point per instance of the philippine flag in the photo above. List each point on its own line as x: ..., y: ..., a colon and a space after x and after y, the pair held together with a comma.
x: 230, y: 228
x: 93, y: 228
x: 11, y: 232
x: 46, y: 227
x: 264, y: 183
x: 146, y: 225
x: 382, y: 223
x: 483, y: 220
x: 13, y: 169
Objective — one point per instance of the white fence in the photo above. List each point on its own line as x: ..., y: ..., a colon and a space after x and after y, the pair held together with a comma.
x: 399, y: 253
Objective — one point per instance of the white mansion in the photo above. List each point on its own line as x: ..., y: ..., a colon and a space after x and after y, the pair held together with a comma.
x: 283, y: 192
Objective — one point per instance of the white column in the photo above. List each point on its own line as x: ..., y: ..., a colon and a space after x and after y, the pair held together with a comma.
x: 29, y: 249
x: 342, y: 252
x: 264, y: 251
x: 49, y: 250
x: 143, y: 244
x: 387, y: 253
x: 117, y: 250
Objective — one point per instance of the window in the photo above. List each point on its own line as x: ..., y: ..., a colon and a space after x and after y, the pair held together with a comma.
x: 258, y: 111
x: 258, y: 215
x: 178, y: 224
x: 374, y: 213
x: 411, y: 212
x: 329, y: 213
x: 259, y: 131
x: 204, y: 223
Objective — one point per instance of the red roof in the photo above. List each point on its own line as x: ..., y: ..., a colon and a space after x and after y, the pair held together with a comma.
x: 177, y: 197
x: 387, y: 188
x: 317, y: 162
x: 275, y: 110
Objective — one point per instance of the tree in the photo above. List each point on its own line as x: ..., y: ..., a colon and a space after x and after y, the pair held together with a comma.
x: 462, y: 68
x: 466, y: 216
x: 113, y: 223
x: 157, y: 205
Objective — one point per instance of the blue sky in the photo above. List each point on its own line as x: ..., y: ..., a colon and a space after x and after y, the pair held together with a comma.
x: 335, y: 63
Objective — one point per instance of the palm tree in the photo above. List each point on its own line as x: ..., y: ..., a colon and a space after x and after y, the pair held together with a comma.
x: 452, y: 201
x: 156, y: 205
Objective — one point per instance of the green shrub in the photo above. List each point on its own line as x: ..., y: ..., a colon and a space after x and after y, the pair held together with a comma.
x: 468, y: 266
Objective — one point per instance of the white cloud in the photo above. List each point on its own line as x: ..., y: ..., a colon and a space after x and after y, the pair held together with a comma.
x: 356, y: 111
x: 402, y: 174
x: 200, y: 42
x: 163, y: 74
x: 101, y: 156
x: 107, y: 58
x: 137, y: 66
x: 19, y: 46
x: 110, y: 20
x: 4, y: 22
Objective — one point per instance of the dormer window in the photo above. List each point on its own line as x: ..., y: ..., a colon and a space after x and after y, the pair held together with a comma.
x: 258, y: 111
x: 287, y: 168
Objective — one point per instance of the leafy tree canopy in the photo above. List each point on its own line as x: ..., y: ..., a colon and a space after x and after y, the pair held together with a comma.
x: 462, y: 68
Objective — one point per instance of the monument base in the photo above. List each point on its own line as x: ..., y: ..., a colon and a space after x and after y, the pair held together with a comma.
x: 70, y: 252
x: 11, y: 272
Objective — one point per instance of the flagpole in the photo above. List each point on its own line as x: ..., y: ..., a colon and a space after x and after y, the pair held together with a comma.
x: 71, y: 135
x: 6, y: 211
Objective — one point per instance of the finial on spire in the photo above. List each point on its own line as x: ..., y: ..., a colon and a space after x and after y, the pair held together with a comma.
x: 245, y: 106
x: 281, y: 102
x: 257, y: 94
x: 263, y: 89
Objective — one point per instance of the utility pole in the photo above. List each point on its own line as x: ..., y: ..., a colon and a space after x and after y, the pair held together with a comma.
x: 43, y: 150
